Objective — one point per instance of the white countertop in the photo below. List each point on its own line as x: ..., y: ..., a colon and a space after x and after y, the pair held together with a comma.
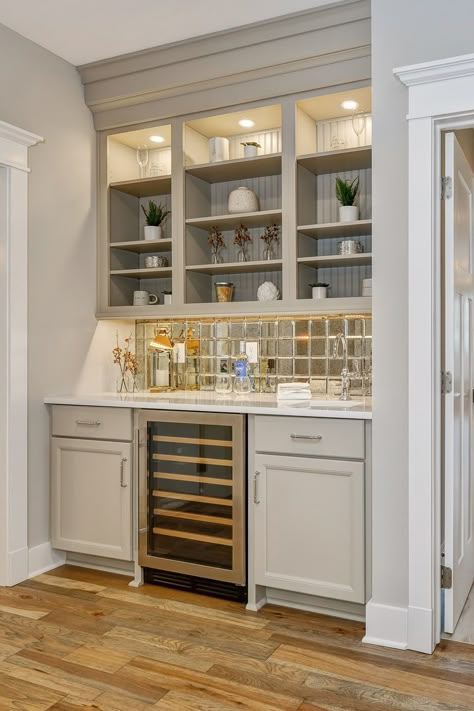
x: 207, y: 401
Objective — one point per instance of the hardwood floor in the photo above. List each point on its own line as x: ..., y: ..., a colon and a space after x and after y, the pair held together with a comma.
x: 78, y: 639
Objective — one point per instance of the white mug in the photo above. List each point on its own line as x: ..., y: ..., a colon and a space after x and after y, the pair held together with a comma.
x: 143, y: 298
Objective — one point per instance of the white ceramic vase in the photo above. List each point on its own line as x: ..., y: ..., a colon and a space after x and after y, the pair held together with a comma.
x: 250, y: 151
x: 242, y: 200
x: 152, y: 232
x: 218, y: 149
x: 319, y: 292
x: 348, y: 213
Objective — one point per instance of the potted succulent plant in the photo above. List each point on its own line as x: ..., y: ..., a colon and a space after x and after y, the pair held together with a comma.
x: 319, y: 290
x: 346, y: 193
x: 155, y: 216
x: 250, y: 148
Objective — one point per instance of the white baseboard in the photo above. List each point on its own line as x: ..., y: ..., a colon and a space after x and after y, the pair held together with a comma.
x: 421, y: 636
x: 386, y: 625
x: 43, y: 558
x: 17, y: 570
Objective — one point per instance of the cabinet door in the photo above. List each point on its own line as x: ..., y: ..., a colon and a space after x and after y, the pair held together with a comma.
x: 91, y: 497
x: 309, y: 526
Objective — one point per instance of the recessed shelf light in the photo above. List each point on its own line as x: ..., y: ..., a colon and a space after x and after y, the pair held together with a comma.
x: 157, y: 139
x: 246, y: 123
x: 350, y: 105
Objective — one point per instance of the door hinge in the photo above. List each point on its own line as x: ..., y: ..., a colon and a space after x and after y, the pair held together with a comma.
x: 446, y: 187
x: 446, y: 578
x: 446, y: 382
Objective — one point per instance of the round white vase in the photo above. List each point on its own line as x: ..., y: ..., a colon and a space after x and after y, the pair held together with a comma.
x: 348, y: 213
x: 152, y: 232
x: 319, y: 292
x: 250, y: 151
x: 218, y: 149
x: 242, y: 200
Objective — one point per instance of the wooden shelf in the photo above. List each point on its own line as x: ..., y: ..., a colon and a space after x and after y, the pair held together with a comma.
x: 144, y: 187
x: 337, y: 161
x: 337, y: 260
x: 202, y: 537
x: 337, y: 229
x: 261, y: 265
x: 174, y: 513
x: 144, y: 245
x: 158, y: 273
x: 229, y: 222
x: 238, y: 169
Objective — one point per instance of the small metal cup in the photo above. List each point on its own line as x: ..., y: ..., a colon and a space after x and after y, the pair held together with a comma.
x: 349, y: 246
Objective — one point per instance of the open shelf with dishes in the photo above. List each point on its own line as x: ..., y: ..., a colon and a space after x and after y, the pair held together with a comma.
x: 213, y: 184
x: 139, y: 177
x: 332, y: 248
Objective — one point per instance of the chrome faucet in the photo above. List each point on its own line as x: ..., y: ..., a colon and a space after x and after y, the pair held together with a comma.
x: 345, y: 376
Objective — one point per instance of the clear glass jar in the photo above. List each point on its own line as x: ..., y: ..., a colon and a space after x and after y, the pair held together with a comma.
x: 223, y: 384
x: 242, y: 385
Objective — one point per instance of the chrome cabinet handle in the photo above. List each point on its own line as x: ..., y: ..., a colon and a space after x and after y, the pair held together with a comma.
x: 123, y: 483
x: 314, y: 438
x: 89, y: 423
x: 256, y: 500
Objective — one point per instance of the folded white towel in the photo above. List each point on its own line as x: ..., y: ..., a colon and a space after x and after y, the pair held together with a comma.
x: 300, y: 395
x: 292, y: 387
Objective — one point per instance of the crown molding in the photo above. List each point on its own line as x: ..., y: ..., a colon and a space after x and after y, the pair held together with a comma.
x: 439, y: 70
x: 18, y: 135
x: 272, y: 58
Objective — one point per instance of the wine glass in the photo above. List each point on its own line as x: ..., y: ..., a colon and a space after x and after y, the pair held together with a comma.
x: 358, y: 123
x: 142, y: 159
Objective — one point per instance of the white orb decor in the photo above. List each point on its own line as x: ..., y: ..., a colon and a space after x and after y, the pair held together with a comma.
x: 268, y: 291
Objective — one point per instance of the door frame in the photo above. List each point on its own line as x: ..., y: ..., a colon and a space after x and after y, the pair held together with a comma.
x: 438, y: 99
x: 14, y: 144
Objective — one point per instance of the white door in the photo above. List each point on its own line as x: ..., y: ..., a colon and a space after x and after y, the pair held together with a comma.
x: 458, y: 404
x: 91, y: 503
x: 310, y: 526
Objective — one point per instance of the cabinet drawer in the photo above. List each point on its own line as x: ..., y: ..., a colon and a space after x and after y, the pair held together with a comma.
x: 310, y: 436
x: 92, y: 422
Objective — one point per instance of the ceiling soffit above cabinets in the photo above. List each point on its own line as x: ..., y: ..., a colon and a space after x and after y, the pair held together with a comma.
x: 307, y: 51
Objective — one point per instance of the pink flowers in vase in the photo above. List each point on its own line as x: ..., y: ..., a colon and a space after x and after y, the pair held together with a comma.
x: 128, y: 364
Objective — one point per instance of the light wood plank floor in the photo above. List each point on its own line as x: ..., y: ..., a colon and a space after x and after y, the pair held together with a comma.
x: 80, y: 639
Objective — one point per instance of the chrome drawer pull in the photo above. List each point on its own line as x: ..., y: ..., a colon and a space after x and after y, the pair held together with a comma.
x: 123, y: 483
x: 314, y: 438
x: 89, y: 423
x: 256, y: 500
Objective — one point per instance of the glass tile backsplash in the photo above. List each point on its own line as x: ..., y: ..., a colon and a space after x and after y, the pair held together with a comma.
x: 288, y: 349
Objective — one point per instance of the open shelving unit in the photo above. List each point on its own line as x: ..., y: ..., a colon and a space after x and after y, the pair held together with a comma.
x: 305, y: 143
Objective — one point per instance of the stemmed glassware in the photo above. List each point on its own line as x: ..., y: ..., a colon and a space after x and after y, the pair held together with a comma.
x: 142, y: 159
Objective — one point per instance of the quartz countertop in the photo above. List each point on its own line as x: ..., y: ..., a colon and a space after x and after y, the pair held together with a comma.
x: 208, y: 401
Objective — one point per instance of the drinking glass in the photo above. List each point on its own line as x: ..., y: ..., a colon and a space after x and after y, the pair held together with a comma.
x: 242, y: 385
x: 142, y: 159
x: 223, y: 384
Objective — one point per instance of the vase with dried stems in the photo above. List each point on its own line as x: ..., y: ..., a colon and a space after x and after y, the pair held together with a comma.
x: 128, y: 365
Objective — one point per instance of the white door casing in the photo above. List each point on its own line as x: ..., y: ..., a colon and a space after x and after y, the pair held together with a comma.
x: 14, y: 144
x: 458, y: 402
x: 441, y: 97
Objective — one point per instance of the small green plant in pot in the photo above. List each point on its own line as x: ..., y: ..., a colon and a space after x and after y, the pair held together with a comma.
x: 346, y: 194
x: 320, y: 290
x: 250, y: 148
x: 155, y: 217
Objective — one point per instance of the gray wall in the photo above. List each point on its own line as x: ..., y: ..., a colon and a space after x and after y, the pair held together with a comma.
x: 404, y: 32
x: 43, y: 94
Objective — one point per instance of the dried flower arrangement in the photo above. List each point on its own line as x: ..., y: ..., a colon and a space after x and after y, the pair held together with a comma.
x: 242, y: 236
x: 270, y: 234
x: 216, y: 241
x: 127, y: 362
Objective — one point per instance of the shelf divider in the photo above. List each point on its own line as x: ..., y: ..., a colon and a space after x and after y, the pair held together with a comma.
x: 338, y: 161
x: 238, y: 169
x: 250, y: 219
x: 337, y: 229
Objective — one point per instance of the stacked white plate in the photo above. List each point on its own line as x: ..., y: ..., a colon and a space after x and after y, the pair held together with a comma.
x: 366, y: 287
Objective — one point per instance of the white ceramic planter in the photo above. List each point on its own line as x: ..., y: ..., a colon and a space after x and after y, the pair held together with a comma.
x: 250, y: 151
x: 348, y: 213
x: 242, y: 200
x: 152, y: 232
x: 218, y: 149
x: 319, y: 292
